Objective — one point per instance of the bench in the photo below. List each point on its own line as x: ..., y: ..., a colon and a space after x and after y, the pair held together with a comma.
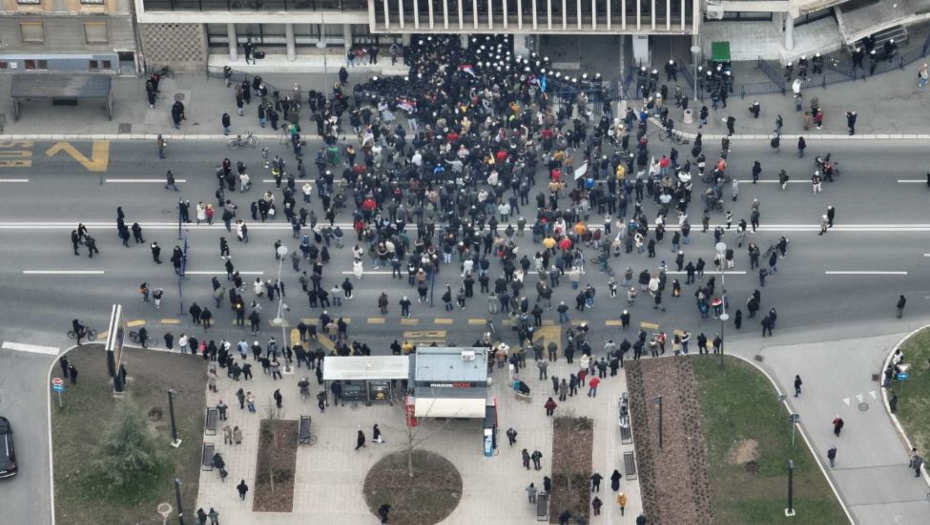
x: 629, y: 464
x: 206, y: 460
x: 210, y: 422
x: 626, y: 436
x: 542, y: 507
x: 303, y: 431
x: 519, y: 396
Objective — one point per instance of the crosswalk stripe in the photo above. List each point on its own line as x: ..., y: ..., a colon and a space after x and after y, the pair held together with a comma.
x: 613, y: 323
x: 444, y: 321
x: 477, y: 321
x: 409, y: 322
x: 170, y: 321
x: 375, y: 320
x: 137, y: 322
x: 35, y: 349
x: 648, y: 326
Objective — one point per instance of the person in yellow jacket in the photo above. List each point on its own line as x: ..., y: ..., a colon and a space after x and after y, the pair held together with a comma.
x: 621, y: 172
x: 621, y: 500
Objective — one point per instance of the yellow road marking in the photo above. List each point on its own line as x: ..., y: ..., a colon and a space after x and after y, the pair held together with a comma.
x: 295, y: 337
x: 375, y: 320
x: 437, y: 335
x: 648, y: 326
x: 170, y: 321
x: 409, y: 322
x: 137, y: 322
x: 548, y: 322
x: 477, y: 321
x: 579, y: 322
x: 99, y: 158
x: 679, y: 332
x: 103, y: 335
x: 308, y: 320
x: 545, y: 334
x: 613, y: 323
x: 507, y: 322
x: 443, y: 321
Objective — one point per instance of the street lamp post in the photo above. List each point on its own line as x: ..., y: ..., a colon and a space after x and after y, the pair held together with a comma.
x: 695, y: 57
x: 279, y: 319
x: 790, y: 510
x: 724, y: 316
x: 321, y: 44
x: 175, y: 442
x: 177, y: 495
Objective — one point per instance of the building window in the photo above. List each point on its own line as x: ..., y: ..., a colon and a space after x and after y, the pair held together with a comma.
x: 32, y: 65
x: 93, y: 65
x: 28, y: 2
x: 4, y: 65
x: 95, y: 33
x: 32, y: 32
x: 92, y: 2
x: 106, y: 64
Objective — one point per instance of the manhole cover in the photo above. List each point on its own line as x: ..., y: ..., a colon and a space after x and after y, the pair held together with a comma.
x: 164, y: 510
x: 863, y: 407
x: 125, y: 127
x: 179, y: 96
x: 759, y: 357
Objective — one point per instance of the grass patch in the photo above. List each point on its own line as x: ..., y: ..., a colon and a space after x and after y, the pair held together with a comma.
x: 572, y: 445
x: 82, y: 494
x: 914, y: 394
x: 428, y: 498
x: 748, y: 442
x: 275, y: 466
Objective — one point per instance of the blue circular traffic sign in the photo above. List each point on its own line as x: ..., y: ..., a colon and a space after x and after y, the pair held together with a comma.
x: 58, y: 388
x: 902, y: 376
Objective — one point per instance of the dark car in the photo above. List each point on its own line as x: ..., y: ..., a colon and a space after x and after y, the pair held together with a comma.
x: 7, y: 453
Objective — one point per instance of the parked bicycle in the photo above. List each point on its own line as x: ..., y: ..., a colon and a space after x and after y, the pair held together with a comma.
x: 239, y: 141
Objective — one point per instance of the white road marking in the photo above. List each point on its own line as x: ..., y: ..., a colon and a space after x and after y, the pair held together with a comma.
x: 62, y: 272
x: 707, y: 272
x: 14, y: 180
x: 371, y: 272
x: 144, y: 180
x: 218, y: 272
x: 863, y: 272
x: 911, y: 181
x: 927, y: 255
x: 772, y: 181
x: 35, y: 349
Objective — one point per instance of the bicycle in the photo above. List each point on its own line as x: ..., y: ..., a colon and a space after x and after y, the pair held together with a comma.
x: 238, y: 142
x: 89, y: 333
x: 675, y: 137
x: 134, y: 337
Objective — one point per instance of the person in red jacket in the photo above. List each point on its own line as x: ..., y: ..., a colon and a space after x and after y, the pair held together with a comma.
x: 550, y: 406
x: 592, y: 386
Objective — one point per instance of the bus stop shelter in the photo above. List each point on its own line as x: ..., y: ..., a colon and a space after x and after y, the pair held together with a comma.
x: 366, y: 378
x: 61, y: 89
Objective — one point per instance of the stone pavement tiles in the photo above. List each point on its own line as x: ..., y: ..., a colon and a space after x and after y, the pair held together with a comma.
x: 871, y: 462
x: 331, y: 473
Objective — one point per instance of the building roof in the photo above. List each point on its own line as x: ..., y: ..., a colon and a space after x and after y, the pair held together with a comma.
x: 53, y: 85
x: 361, y: 368
x: 447, y: 364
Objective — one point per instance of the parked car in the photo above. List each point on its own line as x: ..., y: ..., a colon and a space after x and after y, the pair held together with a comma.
x: 7, y: 453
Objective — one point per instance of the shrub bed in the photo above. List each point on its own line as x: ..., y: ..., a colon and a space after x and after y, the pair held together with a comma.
x: 275, y: 466
x: 572, y: 446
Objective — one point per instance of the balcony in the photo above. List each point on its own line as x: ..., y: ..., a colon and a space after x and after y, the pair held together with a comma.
x: 256, y: 5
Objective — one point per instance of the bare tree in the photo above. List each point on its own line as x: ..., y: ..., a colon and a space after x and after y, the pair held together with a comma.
x: 416, y: 436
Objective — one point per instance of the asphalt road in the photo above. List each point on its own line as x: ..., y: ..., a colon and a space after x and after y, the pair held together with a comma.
x: 884, y: 230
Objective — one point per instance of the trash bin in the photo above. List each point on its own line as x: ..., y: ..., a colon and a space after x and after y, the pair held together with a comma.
x: 689, y: 116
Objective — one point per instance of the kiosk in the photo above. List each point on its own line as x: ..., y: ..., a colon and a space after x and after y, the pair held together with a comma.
x: 366, y: 378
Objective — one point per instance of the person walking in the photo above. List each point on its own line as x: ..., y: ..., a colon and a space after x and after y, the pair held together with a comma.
x: 536, y: 456
x: 824, y: 224
x: 360, y: 440
x: 225, y: 121
x: 797, y: 385
x: 900, y: 306
x: 526, y: 458
x: 170, y: 183
x: 837, y: 425
x: 162, y: 144
x: 511, y: 436
x: 596, y: 505
x: 242, y: 488
x: 531, y: 493
x: 596, y: 482
x: 621, y: 500
x: 615, y: 480
x: 550, y: 407
x: 916, y: 462
x: 831, y: 214
x: 831, y: 455
x: 851, y: 122
x: 383, y: 511
x: 923, y: 76
x: 802, y: 144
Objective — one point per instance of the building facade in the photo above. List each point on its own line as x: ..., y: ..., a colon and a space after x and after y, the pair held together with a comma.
x: 67, y: 35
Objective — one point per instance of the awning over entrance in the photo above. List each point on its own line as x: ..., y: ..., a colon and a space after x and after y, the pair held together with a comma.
x: 61, y: 87
x: 450, y: 407
x: 361, y: 368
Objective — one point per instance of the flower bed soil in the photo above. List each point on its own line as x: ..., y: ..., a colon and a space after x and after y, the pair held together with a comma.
x: 426, y: 499
x: 277, y: 459
x: 572, y: 446
x: 673, y: 481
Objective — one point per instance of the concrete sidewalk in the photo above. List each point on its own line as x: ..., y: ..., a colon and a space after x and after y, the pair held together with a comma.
x: 330, y: 475
x: 871, y: 469
x: 889, y: 106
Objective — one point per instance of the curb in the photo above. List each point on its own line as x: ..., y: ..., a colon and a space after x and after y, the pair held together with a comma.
x: 48, y: 404
x: 128, y: 137
x: 894, y: 418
